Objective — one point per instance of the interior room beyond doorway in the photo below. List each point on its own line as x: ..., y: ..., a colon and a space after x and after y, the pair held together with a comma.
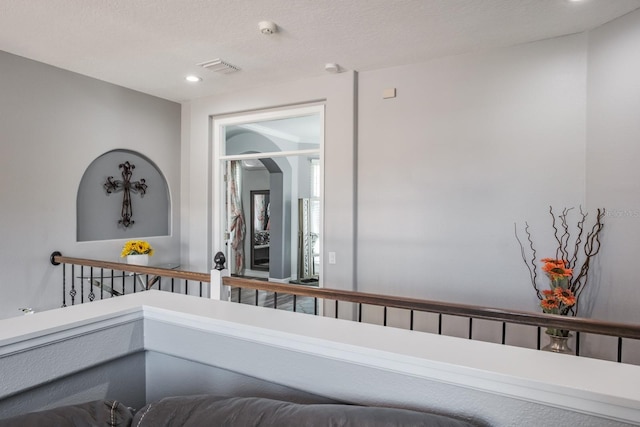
x: 273, y: 195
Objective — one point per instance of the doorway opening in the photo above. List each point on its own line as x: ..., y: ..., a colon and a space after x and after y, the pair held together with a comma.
x: 268, y: 204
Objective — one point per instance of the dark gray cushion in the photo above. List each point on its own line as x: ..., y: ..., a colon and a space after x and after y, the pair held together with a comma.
x: 97, y: 413
x: 206, y: 410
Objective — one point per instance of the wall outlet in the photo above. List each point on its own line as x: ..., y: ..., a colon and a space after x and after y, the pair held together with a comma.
x: 332, y: 257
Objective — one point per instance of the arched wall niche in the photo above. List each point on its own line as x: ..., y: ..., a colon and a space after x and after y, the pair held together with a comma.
x: 98, y: 212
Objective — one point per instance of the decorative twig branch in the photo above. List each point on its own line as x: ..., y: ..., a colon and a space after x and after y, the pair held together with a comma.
x: 591, y: 248
x: 576, y: 249
x: 562, y: 239
x: 533, y: 273
x: 582, y: 250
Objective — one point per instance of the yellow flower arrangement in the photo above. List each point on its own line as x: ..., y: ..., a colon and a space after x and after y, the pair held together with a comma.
x: 136, y: 247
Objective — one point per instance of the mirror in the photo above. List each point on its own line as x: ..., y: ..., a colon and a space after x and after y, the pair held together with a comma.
x: 308, y: 240
x: 260, y: 229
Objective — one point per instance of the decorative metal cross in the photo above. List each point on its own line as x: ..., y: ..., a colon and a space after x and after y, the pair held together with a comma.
x: 127, y: 188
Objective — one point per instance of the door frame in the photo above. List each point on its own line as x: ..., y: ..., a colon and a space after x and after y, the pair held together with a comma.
x: 219, y: 236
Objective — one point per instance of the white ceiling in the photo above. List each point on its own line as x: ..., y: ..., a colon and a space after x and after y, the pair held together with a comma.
x: 150, y: 45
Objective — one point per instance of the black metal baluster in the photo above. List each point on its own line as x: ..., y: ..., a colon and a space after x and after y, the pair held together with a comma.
x: 470, y: 327
x: 186, y: 287
x: 92, y: 296
x: 81, y: 284
x: 64, y: 285
x: 336, y: 309
x: 384, y: 321
x: 159, y: 283
x: 200, y: 289
x: 539, y: 338
x: 577, y: 343
x: 172, y: 284
x: 123, y: 282
x: 619, y: 349
x: 135, y: 281
x: 256, y: 297
x: 439, y: 323
x: 102, y: 283
x: 411, y: 320
x: 275, y: 300
x: 294, y: 303
x: 504, y: 332
x: 359, y: 312
x: 315, y: 306
x: 113, y: 284
x: 72, y: 292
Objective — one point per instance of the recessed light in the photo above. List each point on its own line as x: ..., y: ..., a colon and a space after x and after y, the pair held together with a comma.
x: 193, y: 79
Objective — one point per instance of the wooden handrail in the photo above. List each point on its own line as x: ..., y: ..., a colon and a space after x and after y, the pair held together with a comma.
x: 577, y: 324
x: 138, y: 269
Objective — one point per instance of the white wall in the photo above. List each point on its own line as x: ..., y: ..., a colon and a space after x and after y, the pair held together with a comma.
x: 613, y: 159
x: 122, y: 379
x: 474, y: 143
x: 199, y: 178
x: 470, y: 145
x: 53, y: 124
x: 168, y: 376
x: 69, y: 356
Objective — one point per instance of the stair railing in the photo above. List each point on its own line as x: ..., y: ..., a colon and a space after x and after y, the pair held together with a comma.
x: 219, y: 285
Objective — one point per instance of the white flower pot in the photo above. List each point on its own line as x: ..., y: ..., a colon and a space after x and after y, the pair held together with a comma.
x: 138, y: 259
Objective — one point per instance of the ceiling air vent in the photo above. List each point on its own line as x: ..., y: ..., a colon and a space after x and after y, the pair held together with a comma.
x: 219, y: 66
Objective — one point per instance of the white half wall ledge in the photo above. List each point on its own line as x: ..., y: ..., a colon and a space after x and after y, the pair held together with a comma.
x: 43, y: 355
x: 354, y: 362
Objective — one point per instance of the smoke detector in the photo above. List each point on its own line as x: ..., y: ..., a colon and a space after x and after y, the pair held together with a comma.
x: 267, y: 27
x: 332, y: 68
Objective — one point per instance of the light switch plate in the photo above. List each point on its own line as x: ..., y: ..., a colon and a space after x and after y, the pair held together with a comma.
x: 389, y: 93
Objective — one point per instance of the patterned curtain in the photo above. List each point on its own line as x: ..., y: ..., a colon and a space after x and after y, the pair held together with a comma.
x: 237, y: 224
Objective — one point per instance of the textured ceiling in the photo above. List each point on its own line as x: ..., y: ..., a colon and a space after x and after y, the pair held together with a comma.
x: 150, y: 45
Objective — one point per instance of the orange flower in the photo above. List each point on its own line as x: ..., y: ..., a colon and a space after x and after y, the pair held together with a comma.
x: 560, y: 297
x: 549, y: 303
x: 565, y: 296
x: 556, y: 268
